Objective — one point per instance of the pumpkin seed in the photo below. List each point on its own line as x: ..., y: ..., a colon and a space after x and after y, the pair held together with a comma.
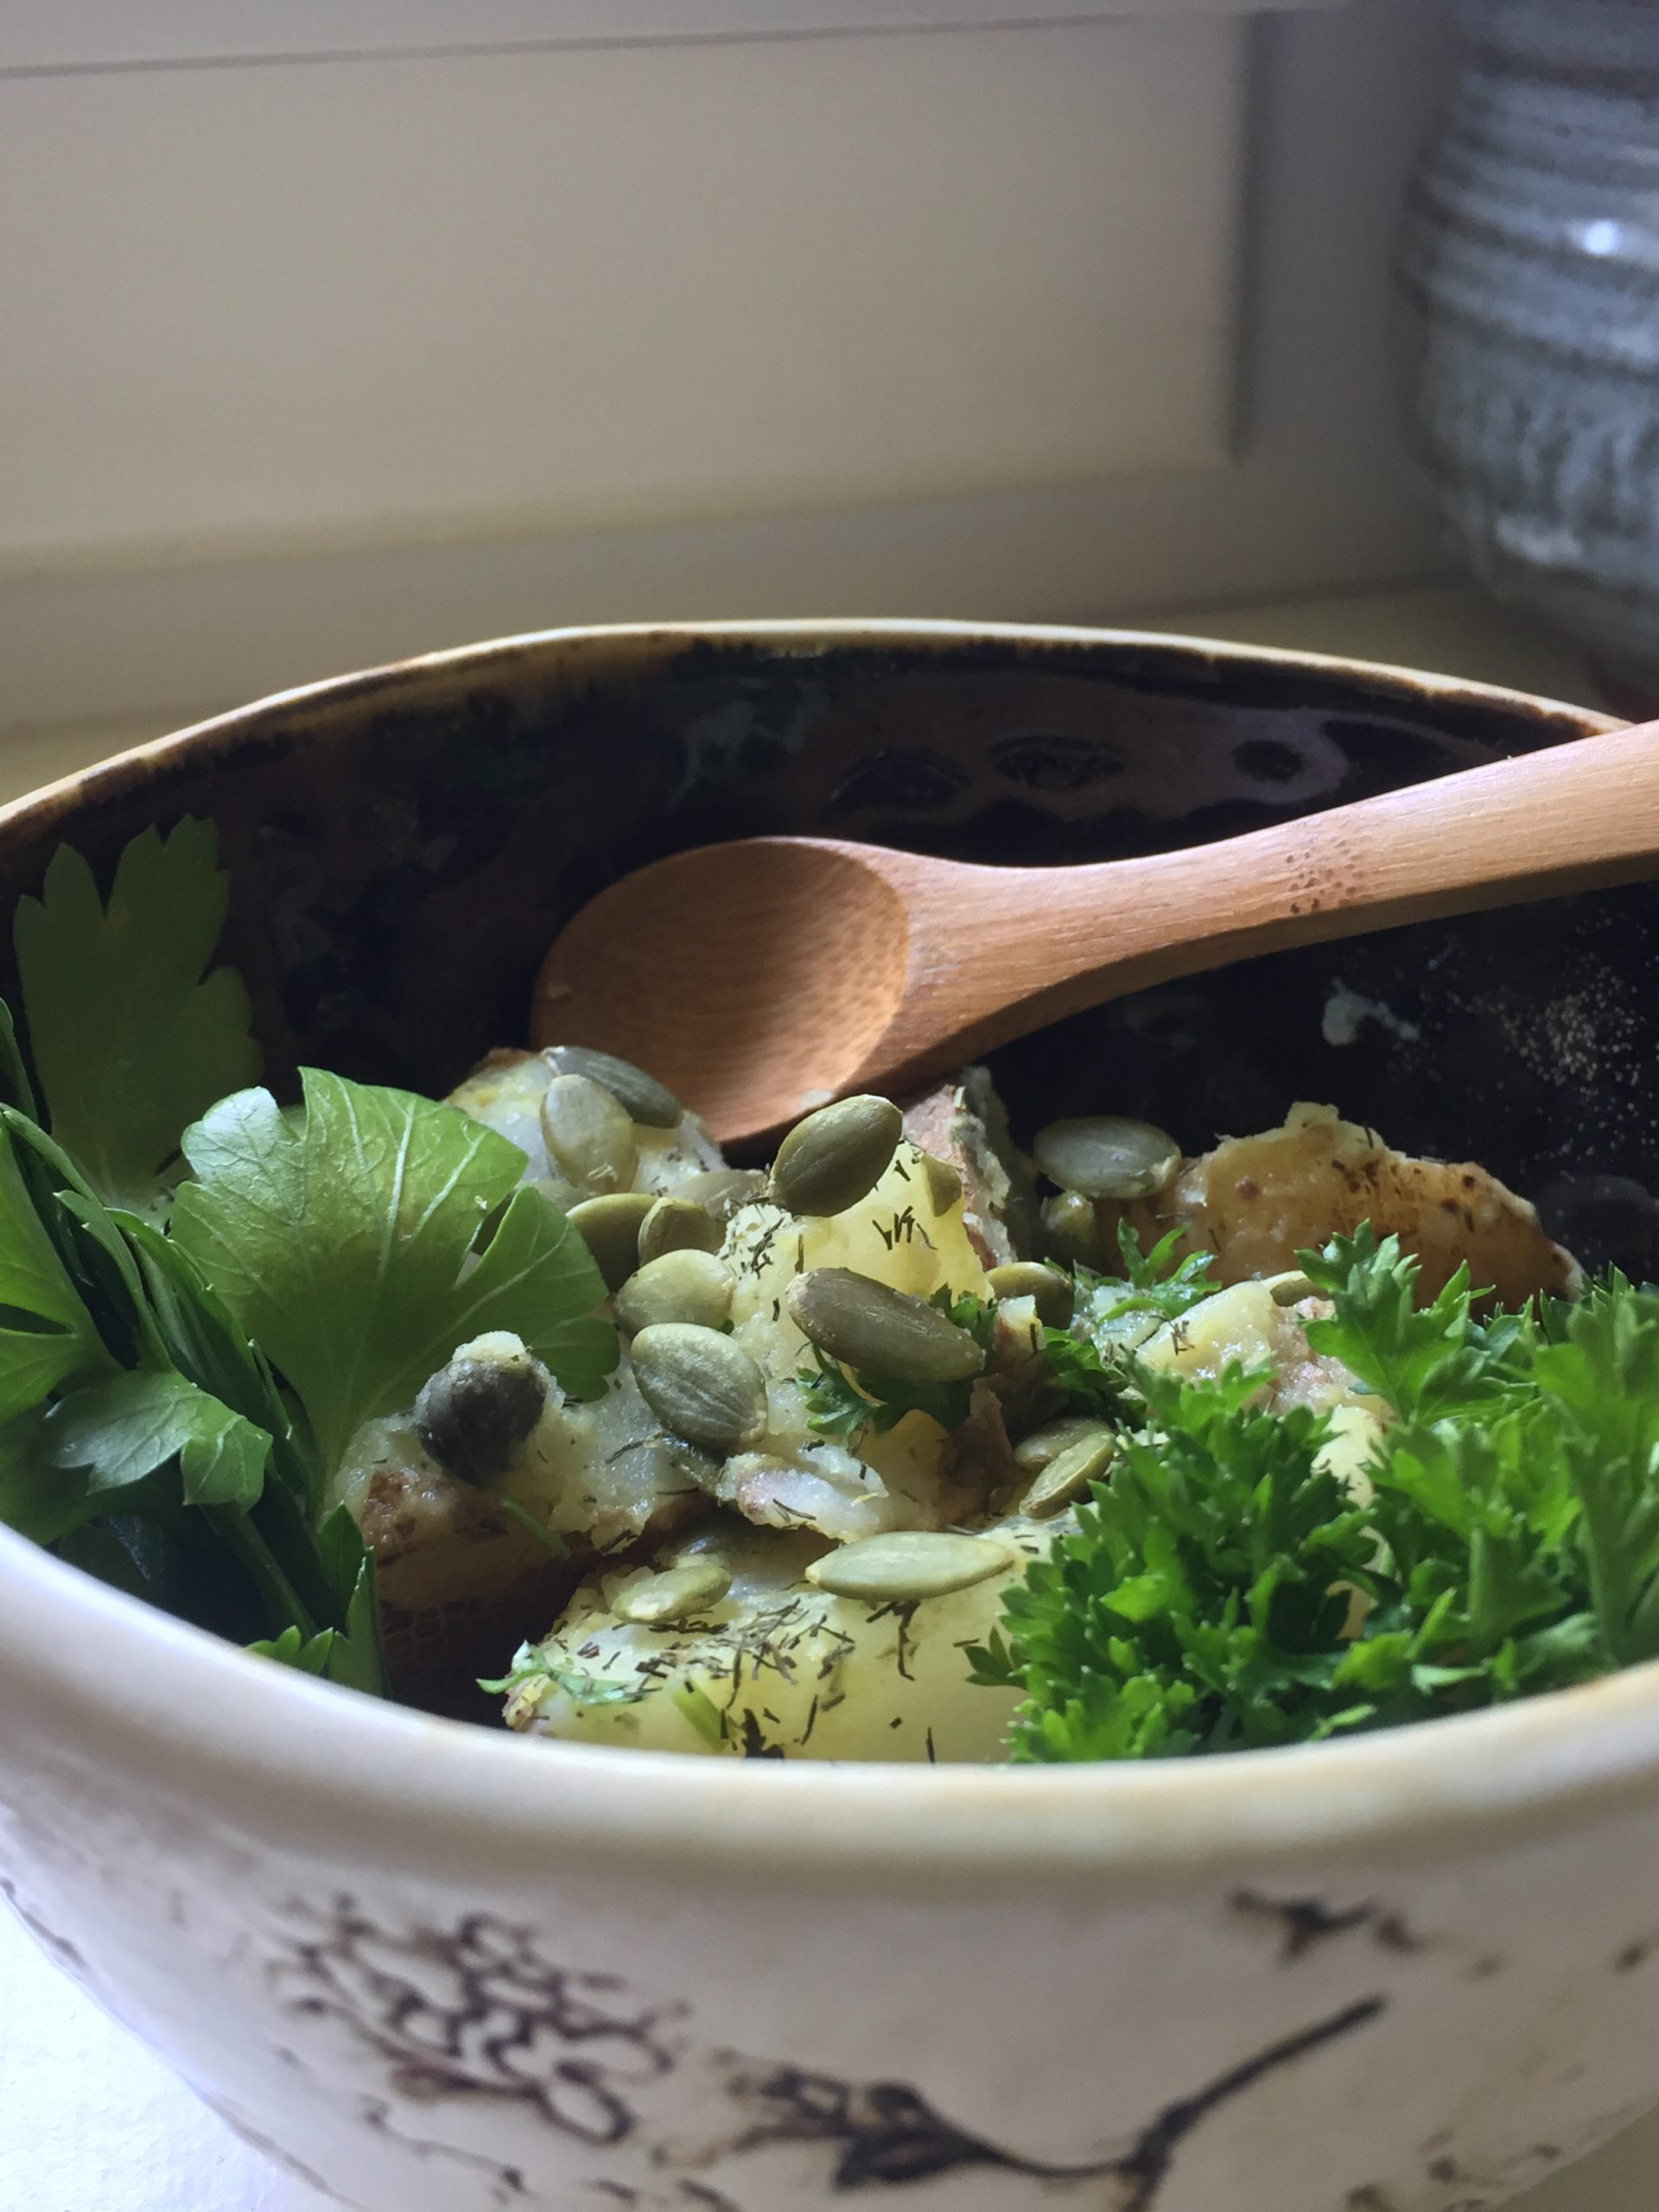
x: 1044, y: 1445
x: 677, y: 1595
x: 723, y: 1190
x: 1290, y: 1290
x: 1070, y: 1474
x: 908, y: 1565
x: 1047, y: 1288
x: 1071, y: 1226
x: 610, y: 1228
x: 699, y: 1384
x: 641, y: 1097
x: 837, y: 1156
x: 676, y: 1224
x: 1107, y: 1156
x: 943, y: 1183
x: 589, y: 1135
x: 865, y: 1324
x: 679, y: 1287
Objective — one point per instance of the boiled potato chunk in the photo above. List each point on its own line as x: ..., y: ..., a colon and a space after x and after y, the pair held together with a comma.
x: 776, y: 1667
x: 1254, y: 1202
x: 1244, y: 1325
x: 505, y: 1092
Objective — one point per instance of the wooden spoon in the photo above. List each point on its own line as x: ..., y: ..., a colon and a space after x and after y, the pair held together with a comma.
x: 761, y: 977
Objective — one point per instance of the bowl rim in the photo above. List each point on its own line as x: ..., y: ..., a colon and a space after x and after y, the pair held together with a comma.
x: 99, y: 1677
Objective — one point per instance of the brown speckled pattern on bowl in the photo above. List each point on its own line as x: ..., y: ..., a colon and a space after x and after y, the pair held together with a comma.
x: 442, y: 1971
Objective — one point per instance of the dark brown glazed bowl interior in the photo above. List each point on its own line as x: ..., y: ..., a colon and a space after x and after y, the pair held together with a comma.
x: 403, y: 844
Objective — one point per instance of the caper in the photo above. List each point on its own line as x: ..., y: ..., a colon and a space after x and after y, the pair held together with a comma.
x: 1107, y: 1156
x: 723, y: 1190
x: 1291, y: 1289
x: 1072, y: 1227
x: 610, y: 1228
x: 1042, y: 1446
x: 837, y: 1156
x: 679, y: 1287
x: 908, y: 1565
x: 589, y: 1135
x: 943, y: 1183
x: 642, y: 1097
x: 678, y: 1594
x: 1047, y: 1288
x: 699, y: 1384
x: 867, y: 1325
x: 1069, y: 1473
x: 474, y: 1413
x: 676, y: 1224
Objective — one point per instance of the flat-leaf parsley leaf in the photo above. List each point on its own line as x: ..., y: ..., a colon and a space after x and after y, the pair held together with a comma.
x: 131, y: 1036
x: 342, y: 1238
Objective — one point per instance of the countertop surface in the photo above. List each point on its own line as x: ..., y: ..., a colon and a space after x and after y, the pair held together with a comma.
x: 90, y: 2121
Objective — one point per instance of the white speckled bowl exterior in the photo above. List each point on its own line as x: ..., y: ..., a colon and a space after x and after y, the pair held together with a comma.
x: 1530, y: 263
x: 436, y: 1969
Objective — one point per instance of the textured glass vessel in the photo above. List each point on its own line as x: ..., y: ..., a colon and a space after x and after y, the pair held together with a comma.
x: 1529, y: 269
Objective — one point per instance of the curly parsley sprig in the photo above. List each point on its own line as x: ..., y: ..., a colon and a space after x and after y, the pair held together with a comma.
x: 1228, y: 1591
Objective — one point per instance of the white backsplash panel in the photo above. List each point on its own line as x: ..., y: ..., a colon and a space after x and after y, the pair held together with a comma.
x: 292, y: 307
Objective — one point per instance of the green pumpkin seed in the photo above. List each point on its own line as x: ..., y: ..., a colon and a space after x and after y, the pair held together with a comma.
x: 723, y: 1190
x: 644, y: 1100
x: 679, y: 1287
x: 865, y: 1324
x: 1072, y: 1227
x: 676, y: 1224
x: 837, y: 1156
x: 677, y: 1595
x: 589, y: 1135
x: 1067, y: 1476
x: 1048, y: 1289
x: 908, y: 1565
x: 699, y: 1384
x: 1291, y: 1290
x: 1107, y: 1156
x: 943, y: 1183
x: 1044, y: 1445
x: 610, y: 1228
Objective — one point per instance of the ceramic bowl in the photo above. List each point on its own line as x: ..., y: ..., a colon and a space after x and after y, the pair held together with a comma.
x: 1529, y: 275
x: 437, y: 1969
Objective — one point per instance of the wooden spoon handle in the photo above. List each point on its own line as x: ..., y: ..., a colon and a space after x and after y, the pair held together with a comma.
x: 1051, y: 942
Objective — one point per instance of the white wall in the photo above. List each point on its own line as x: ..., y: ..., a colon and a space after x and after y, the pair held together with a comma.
x: 297, y: 372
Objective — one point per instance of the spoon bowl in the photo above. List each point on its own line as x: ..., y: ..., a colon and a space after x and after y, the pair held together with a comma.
x: 780, y: 983
x: 761, y: 977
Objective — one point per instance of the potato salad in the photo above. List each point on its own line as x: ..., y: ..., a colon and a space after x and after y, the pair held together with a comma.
x: 923, y: 1439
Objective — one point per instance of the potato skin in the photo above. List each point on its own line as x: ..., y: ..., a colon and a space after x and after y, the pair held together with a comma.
x: 1256, y: 1201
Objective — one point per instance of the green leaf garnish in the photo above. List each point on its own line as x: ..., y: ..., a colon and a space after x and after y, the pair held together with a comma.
x: 531, y: 1664
x: 131, y: 1038
x: 310, y: 1654
x: 123, y: 1429
x: 549, y: 1539
x: 46, y: 1335
x: 1425, y: 1362
x: 342, y: 1240
x: 844, y: 1403
x: 143, y: 1433
x: 1223, y: 1591
x: 1153, y: 1282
